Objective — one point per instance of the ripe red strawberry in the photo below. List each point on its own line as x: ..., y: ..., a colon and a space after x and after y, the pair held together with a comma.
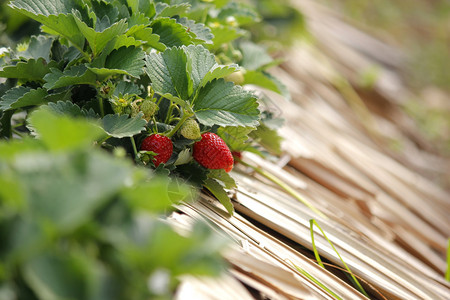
x: 159, y: 144
x: 212, y: 152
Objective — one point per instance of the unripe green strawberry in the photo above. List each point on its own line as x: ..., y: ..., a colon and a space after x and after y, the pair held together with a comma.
x: 135, y: 108
x: 213, y: 153
x: 190, y: 129
x: 236, y: 77
x: 159, y: 144
x: 149, y: 108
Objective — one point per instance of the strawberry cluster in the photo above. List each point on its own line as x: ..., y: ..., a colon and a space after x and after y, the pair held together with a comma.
x: 211, y: 151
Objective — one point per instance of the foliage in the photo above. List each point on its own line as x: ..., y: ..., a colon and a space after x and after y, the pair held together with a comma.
x: 79, y: 223
x: 76, y: 101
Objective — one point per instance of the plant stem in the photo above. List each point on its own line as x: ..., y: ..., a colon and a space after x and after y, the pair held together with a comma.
x: 17, y: 132
x: 133, y: 143
x: 100, y: 104
x: 284, y: 186
x: 169, y: 113
x: 183, y: 118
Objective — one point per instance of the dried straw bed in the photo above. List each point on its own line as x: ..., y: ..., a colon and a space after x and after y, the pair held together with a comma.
x: 386, y: 218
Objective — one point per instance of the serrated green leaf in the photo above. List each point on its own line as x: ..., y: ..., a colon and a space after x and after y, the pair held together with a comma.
x: 202, y: 33
x: 235, y: 137
x: 224, y: 34
x: 68, y: 108
x: 225, y: 104
x: 22, y: 96
x: 166, y: 10
x: 75, y: 75
x: 126, y: 41
x: 224, y: 177
x: 39, y: 47
x: 171, y: 33
x: 267, y: 81
x: 120, y: 126
x: 55, y: 15
x: 126, y: 87
x: 29, y: 70
x: 105, y: 9
x: 253, y: 56
x: 61, y: 133
x: 137, y: 22
x: 203, y: 67
x: 217, y: 190
x: 128, y: 59
x: 268, y: 138
x: 151, y: 39
x: 242, y: 13
x: 98, y: 40
x: 168, y: 73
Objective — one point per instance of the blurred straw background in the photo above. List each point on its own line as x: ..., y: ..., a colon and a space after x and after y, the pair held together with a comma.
x: 367, y: 143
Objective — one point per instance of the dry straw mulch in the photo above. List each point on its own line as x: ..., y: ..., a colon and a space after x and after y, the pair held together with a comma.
x: 380, y: 208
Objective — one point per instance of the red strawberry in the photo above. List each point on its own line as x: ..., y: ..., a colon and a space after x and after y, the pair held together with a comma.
x: 159, y: 144
x: 212, y: 152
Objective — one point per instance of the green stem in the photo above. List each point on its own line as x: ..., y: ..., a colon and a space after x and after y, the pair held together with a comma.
x: 185, y: 116
x: 100, y: 104
x: 18, y: 133
x: 285, y: 187
x: 133, y: 144
x: 169, y: 113
x: 104, y: 139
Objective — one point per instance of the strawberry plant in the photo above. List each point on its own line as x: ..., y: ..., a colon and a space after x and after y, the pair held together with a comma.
x: 142, y: 69
x: 103, y: 84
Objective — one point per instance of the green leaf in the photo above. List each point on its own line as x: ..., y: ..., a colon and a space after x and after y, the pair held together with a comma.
x: 241, y: 12
x: 150, y: 39
x: 104, y: 9
x: 29, y: 70
x: 254, y: 56
x: 168, y: 73
x: 197, y: 253
x: 54, y: 15
x: 98, y: 40
x: 60, y: 133
x: 75, y: 75
x: 222, y: 176
x: 171, y: 33
x: 217, y: 190
x: 126, y: 87
x: 268, y: 138
x: 225, y: 34
x: 156, y: 196
x: 127, y: 41
x: 124, y: 61
x: 203, y: 67
x: 267, y: 81
x: 120, y: 126
x: 235, y: 137
x: 68, y: 108
x: 202, y: 33
x: 39, y: 47
x: 22, y: 96
x: 225, y: 104
x: 56, y: 277
x: 166, y: 10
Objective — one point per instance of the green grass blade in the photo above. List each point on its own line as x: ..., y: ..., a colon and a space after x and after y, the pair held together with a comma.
x: 313, y: 222
x: 309, y: 276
